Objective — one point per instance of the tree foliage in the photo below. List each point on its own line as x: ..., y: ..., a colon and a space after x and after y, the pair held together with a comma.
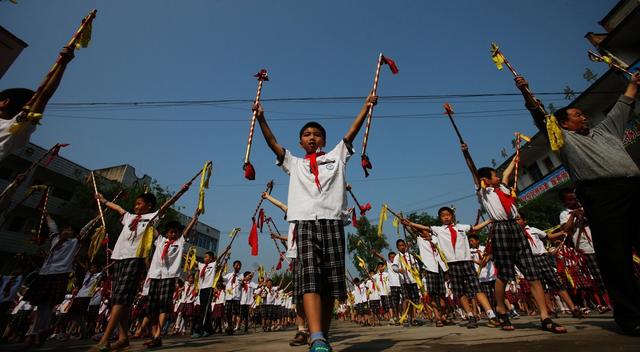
x: 363, y: 242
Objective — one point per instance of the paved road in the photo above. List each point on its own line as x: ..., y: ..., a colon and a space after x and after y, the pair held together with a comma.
x: 595, y: 333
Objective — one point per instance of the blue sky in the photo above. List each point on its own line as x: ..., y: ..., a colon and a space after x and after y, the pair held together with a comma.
x: 209, y: 50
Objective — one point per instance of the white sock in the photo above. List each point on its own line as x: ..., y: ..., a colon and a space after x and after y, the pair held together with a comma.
x: 491, y: 314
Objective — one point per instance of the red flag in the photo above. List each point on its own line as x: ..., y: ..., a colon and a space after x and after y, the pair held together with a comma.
x: 365, y: 208
x: 249, y: 171
x: 392, y: 64
x: 279, y: 266
x: 253, y: 239
x: 54, y: 152
x: 262, y: 75
x: 366, y: 164
x: 261, y: 219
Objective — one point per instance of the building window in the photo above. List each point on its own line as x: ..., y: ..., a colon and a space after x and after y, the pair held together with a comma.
x: 534, y: 172
x: 214, y: 245
x: 17, y: 223
x: 548, y: 164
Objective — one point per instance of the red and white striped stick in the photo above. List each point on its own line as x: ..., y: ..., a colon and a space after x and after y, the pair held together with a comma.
x: 249, y: 171
x: 365, y: 158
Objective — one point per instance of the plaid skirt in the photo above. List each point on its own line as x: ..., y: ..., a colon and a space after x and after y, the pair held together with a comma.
x: 186, y: 309
x: 321, y: 259
x: 375, y: 306
x: 435, y: 284
x: 218, y: 311
x: 232, y: 307
x: 464, y: 278
x: 269, y: 311
x: 594, y: 270
x: 411, y: 292
x: 511, y: 296
x: 362, y: 308
x: 549, y: 275
x: 386, y: 302
x: 47, y: 289
x: 127, y: 275
x: 161, y: 295
x: 579, y: 279
x: 489, y: 289
x: 510, y: 248
x: 394, y: 297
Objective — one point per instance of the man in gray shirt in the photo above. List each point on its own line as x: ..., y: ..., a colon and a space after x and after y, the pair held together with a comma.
x: 607, y: 182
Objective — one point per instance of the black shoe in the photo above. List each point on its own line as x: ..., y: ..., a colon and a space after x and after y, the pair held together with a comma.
x: 473, y: 323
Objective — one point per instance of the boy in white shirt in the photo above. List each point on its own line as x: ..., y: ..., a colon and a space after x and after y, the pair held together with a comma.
x: 206, y: 274
x: 248, y: 289
x: 484, y: 266
x: 382, y: 280
x: 509, y: 244
x: 373, y: 294
x: 394, y: 287
x: 574, y: 222
x: 128, y: 257
x: 270, y: 293
x: 50, y: 286
x: 452, y: 241
x: 317, y: 204
x: 407, y: 266
x: 233, y: 288
x: 164, y: 271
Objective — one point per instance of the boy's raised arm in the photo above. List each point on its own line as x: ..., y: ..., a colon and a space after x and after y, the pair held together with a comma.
x: 272, y: 142
x: 66, y: 55
x: 481, y: 225
x: 113, y: 206
x: 192, y: 223
x: 274, y: 201
x: 371, y: 101
x: 471, y: 165
x: 508, y: 172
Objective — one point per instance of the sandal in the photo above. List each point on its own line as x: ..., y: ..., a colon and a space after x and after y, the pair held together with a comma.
x: 505, y: 323
x: 119, y: 344
x: 577, y: 313
x: 439, y: 324
x: 100, y: 348
x: 549, y: 325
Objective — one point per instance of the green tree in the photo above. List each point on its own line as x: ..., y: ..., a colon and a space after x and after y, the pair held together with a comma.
x: 543, y: 212
x: 363, y: 242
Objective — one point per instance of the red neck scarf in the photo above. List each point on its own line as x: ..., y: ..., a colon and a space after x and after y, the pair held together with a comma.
x: 454, y: 236
x: 506, y: 200
x: 165, y: 249
x: 313, y: 165
x: 133, y: 226
x: 233, y: 281
x: 529, y: 237
x: 204, y: 268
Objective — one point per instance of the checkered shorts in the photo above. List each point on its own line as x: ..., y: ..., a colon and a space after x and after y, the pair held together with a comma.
x: 127, y: 275
x: 435, y: 284
x: 489, y: 289
x: 269, y: 311
x: 510, y: 248
x: 362, y: 308
x: 594, y: 270
x: 549, y: 275
x: 394, y: 297
x: 232, y: 307
x: 161, y: 295
x: 47, y: 289
x: 386, y: 302
x: 464, y: 278
x: 321, y: 267
x: 375, y: 306
x: 410, y: 292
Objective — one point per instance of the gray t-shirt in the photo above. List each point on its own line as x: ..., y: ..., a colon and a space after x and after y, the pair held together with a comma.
x: 601, y: 153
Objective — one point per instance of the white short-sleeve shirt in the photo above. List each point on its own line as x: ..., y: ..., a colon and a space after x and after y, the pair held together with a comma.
x: 444, y: 239
x: 394, y: 278
x: 129, y: 240
x: 491, y: 203
x: 233, y: 286
x: 169, y: 267
x: 9, y: 142
x: 489, y: 271
x: 374, y: 290
x: 292, y: 246
x: 306, y: 201
x: 206, y: 281
x: 406, y: 277
x: 248, y: 290
x: 586, y: 244
x: 60, y: 260
x: 536, y: 244
x: 89, y: 284
x: 429, y: 255
x: 382, y: 281
x: 272, y: 294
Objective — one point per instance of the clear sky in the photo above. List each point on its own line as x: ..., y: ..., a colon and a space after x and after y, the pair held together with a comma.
x: 209, y: 50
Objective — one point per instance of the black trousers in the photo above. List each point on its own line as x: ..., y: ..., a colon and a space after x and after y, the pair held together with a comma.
x: 612, y: 206
x: 202, y: 323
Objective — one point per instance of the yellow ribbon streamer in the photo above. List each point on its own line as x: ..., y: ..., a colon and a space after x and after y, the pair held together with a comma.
x: 32, y: 118
x: 496, y: 56
x: 85, y: 36
x: 419, y: 308
x: 383, y: 218
x: 555, y: 133
x: 190, y: 260
x: 414, y: 272
x: 204, y: 184
x: 144, y: 248
x: 566, y: 272
x: 96, y: 241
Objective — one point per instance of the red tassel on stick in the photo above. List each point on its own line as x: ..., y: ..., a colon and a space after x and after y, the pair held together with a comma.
x: 253, y: 238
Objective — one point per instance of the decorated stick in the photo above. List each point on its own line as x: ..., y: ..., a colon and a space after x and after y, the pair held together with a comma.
x: 95, y: 190
x: 269, y: 221
x: 608, y: 59
x: 249, y: 170
x: 80, y: 38
x: 363, y: 208
x: 448, y: 109
x: 366, y: 163
x: 268, y: 190
x: 50, y: 154
x: 44, y: 211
